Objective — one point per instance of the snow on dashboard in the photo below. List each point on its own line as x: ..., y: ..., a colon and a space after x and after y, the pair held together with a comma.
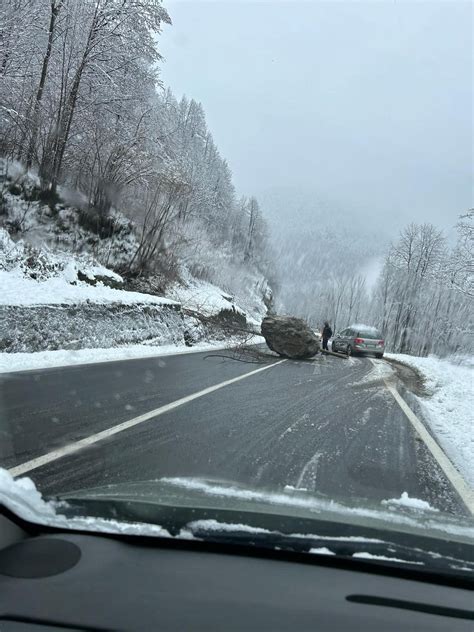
x: 321, y: 550
x: 363, y: 555
x: 215, y: 525
x: 23, y: 499
x: 406, y: 501
x: 406, y: 515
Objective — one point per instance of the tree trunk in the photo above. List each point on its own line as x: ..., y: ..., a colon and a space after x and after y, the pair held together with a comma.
x: 52, y: 168
x: 55, y: 8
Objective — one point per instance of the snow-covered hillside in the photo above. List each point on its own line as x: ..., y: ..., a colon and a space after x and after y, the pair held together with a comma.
x: 51, y: 301
x: 61, y: 288
x: 30, y: 276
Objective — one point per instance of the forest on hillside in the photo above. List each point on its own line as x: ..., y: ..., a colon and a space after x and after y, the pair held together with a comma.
x: 82, y: 104
x: 417, y: 288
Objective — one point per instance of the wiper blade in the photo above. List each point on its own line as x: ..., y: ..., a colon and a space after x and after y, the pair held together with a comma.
x: 281, y: 531
x: 357, y: 547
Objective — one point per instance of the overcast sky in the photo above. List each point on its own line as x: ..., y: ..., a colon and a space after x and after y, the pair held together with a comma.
x: 366, y: 103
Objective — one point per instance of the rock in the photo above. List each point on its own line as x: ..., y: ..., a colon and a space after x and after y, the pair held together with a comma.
x: 289, y: 337
x: 109, y: 281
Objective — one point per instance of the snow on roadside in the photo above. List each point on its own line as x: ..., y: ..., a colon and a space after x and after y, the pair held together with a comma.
x: 12, y: 362
x: 448, y: 407
x: 40, y: 277
x: 17, y: 289
x: 380, y: 371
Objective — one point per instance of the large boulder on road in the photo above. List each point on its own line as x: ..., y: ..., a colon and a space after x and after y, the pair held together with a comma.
x: 289, y: 337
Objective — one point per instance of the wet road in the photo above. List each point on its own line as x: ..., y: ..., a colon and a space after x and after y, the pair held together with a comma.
x: 328, y: 425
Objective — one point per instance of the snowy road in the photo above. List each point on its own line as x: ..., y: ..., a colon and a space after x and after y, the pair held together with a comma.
x: 328, y: 425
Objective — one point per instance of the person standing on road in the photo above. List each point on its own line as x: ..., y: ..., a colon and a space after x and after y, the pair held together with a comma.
x: 326, y: 334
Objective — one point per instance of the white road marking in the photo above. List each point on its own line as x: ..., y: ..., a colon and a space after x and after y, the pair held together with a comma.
x: 66, y: 450
x: 451, y: 473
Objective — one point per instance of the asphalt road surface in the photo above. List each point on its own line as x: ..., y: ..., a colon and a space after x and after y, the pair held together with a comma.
x: 328, y: 425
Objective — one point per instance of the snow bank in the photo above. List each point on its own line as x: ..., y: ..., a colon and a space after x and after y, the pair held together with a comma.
x: 16, y: 289
x: 30, y: 276
x: 205, y: 298
x: 449, y: 406
x: 381, y: 371
x: 11, y: 362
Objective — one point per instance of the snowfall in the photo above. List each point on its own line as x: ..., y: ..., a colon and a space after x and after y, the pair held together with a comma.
x: 447, y: 405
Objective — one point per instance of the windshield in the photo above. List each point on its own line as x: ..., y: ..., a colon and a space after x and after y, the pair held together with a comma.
x: 236, y: 268
x: 369, y: 334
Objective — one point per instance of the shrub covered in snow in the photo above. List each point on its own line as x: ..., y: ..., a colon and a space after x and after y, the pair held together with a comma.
x: 88, y: 325
x: 41, y: 264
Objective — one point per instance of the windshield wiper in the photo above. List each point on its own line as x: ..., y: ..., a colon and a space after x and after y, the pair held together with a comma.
x: 357, y: 547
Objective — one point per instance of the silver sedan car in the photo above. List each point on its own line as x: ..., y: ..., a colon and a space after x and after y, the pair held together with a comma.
x: 359, y: 339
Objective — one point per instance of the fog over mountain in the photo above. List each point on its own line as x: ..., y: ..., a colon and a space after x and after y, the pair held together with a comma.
x: 347, y: 120
x: 366, y: 105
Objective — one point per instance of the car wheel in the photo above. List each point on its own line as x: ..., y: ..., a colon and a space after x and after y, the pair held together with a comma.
x: 379, y: 355
x: 349, y: 350
x: 334, y: 347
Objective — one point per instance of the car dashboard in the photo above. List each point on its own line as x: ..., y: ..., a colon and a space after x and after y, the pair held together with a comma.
x: 62, y: 580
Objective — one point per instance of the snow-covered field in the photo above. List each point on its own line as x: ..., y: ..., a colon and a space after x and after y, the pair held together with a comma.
x: 449, y: 405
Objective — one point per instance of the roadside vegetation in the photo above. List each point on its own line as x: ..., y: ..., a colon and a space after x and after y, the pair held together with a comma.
x: 82, y: 109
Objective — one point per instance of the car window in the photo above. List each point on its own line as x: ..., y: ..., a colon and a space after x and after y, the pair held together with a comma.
x: 191, y: 192
x: 369, y: 335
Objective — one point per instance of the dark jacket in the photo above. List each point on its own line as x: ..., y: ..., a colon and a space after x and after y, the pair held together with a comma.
x: 327, y: 331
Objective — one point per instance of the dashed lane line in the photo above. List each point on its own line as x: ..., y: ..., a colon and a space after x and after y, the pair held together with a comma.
x: 71, y: 448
